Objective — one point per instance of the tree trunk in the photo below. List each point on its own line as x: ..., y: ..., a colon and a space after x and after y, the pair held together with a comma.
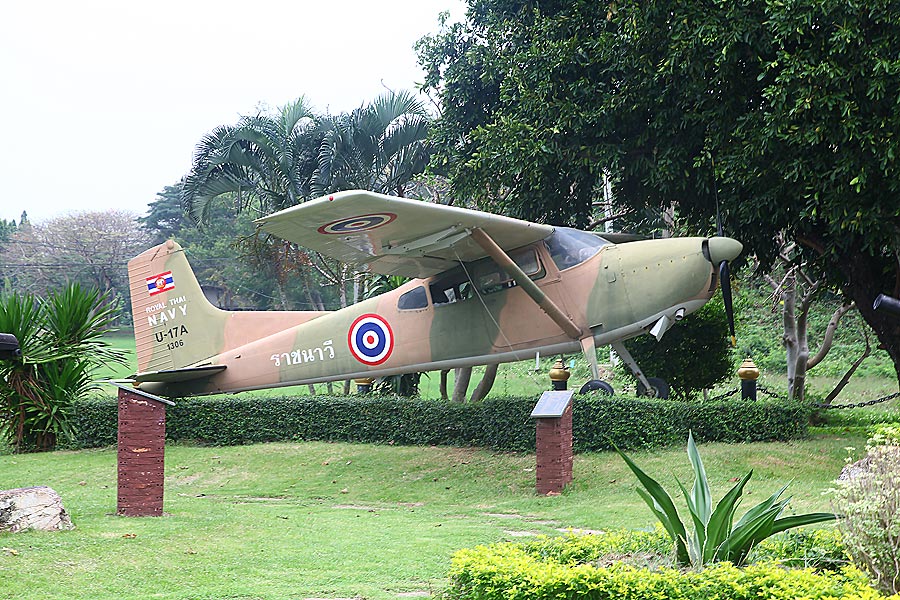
x: 443, y: 385
x: 846, y: 378
x: 828, y: 340
x: 866, y: 278
x: 461, y: 379
x: 487, y: 382
x: 789, y: 340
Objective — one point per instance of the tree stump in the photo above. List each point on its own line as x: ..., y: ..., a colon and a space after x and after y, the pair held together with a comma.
x: 33, y: 508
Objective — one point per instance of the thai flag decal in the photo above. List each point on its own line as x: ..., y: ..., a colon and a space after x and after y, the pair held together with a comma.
x: 160, y: 283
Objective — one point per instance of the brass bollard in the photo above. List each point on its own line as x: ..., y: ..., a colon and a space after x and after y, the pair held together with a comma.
x: 749, y: 373
x: 559, y: 375
x: 364, y: 385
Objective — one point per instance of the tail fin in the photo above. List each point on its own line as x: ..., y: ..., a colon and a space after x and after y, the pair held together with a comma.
x: 174, y: 324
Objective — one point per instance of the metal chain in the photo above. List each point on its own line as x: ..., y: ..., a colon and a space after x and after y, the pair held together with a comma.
x: 776, y: 396
x: 770, y: 393
x: 858, y: 404
x: 724, y: 395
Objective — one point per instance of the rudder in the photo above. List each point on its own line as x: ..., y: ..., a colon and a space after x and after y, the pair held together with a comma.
x: 174, y: 324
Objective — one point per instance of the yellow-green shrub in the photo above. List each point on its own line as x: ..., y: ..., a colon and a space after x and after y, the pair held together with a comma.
x: 511, y: 572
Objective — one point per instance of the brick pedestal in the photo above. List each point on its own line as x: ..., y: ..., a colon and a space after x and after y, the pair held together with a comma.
x: 141, y: 456
x: 554, y: 452
x: 553, y: 442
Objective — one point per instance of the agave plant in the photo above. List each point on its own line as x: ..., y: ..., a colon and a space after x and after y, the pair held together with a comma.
x: 715, y: 536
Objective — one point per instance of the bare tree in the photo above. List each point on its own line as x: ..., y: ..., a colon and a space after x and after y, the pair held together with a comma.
x: 796, y: 292
x: 91, y: 248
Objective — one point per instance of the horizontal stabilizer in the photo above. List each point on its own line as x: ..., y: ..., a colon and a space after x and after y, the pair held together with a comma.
x: 175, y: 375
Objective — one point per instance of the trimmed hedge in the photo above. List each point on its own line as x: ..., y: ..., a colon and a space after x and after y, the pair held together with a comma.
x: 513, y: 571
x: 496, y: 423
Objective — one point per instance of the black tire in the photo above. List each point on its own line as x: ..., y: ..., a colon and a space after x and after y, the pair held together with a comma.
x: 659, y: 388
x: 595, y: 385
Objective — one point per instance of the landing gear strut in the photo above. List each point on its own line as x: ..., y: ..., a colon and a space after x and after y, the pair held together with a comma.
x: 646, y: 386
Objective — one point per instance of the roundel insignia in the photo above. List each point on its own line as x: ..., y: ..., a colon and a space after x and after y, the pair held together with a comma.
x: 358, y: 223
x: 371, y: 339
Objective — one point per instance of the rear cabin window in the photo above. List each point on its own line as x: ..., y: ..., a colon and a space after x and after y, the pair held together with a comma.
x: 413, y: 299
x: 570, y: 247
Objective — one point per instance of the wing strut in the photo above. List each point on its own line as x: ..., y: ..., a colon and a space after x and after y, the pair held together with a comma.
x: 524, y: 281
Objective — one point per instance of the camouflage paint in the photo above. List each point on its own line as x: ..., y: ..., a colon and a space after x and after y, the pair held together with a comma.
x: 619, y: 292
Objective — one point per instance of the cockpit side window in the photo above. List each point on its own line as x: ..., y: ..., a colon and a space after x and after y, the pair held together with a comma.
x: 490, y: 278
x: 570, y: 247
x: 454, y: 286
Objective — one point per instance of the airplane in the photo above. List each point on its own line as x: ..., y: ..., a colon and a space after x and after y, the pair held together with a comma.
x: 486, y: 289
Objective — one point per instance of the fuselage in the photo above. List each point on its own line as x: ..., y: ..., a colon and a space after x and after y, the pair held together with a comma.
x: 476, y: 314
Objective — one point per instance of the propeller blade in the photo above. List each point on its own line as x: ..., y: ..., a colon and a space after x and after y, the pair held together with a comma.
x: 725, y: 282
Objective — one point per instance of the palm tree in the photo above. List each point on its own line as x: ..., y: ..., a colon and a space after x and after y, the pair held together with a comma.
x: 264, y: 160
x: 264, y: 163
x: 378, y: 147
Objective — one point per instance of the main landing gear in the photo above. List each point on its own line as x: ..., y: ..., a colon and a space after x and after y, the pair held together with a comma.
x: 654, y: 387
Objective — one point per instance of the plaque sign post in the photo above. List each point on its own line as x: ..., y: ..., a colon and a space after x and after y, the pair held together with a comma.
x: 553, y: 441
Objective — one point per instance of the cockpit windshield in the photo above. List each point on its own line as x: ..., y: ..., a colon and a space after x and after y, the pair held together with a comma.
x: 570, y: 247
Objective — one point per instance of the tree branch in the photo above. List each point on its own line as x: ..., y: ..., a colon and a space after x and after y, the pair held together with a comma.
x: 846, y: 378
x: 825, y: 346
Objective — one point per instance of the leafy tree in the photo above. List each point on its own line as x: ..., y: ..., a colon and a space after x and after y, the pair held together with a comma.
x: 61, y: 342
x: 165, y: 217
x: 7, y: 228
x: 784, y: 113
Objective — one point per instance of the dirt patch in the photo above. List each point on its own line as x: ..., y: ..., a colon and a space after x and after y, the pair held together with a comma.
x: 355, y: 507
x: 518, y: 534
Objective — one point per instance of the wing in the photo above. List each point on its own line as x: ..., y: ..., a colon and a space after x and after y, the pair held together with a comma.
x: 395, y: 236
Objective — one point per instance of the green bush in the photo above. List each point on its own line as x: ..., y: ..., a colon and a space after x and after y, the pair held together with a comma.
x: 497, y: 423
x: 674, y: 358
x: 61, y: 339
x: 820, y: 549
x: 513, y: 571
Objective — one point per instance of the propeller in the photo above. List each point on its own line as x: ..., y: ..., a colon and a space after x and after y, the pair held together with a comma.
x: 725, y: 270
x: 725, y: 278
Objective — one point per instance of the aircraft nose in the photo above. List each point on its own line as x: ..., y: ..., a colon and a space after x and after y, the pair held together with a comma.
x: 723, y: 248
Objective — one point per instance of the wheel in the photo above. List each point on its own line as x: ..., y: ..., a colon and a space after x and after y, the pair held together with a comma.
x: 658, y: 388
x: 595, y: 385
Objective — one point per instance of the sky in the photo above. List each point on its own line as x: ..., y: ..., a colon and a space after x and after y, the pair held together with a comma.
x: 104, y: 101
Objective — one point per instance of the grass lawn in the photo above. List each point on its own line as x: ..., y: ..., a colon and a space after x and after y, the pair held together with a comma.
x: 321, y: 520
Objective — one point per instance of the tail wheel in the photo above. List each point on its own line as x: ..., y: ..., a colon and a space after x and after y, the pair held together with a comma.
x: 658, y: 388
x: 595, y: 385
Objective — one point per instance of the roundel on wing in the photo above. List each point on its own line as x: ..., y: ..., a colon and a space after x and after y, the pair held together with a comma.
x: 370, y: 339
x: 357, y: 223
